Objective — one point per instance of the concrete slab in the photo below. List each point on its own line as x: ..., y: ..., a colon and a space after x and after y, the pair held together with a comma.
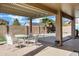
x: 11, y: 50
x: 51, y: 51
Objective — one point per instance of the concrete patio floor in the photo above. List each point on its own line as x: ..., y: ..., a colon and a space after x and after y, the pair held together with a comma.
x: 52, y: 51
x: 12, y: 50
x: 33, y: 50
x: 71, y: 45
x: 46, y: 45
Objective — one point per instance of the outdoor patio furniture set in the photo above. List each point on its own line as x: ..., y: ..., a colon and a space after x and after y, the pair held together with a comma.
x: 29, y: 39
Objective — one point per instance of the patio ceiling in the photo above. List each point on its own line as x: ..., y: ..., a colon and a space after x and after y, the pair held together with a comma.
x: 71, y: 9
x: 36, y: 10
x: 24, y: 10
x: 76, y: 7
x: 67, y: 9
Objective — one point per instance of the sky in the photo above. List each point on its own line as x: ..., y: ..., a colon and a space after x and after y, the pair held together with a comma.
x: 10, y: 18
x: 38, y: 20
x: 22, y: 20
x: 25, y: 22
x: 65, y: 20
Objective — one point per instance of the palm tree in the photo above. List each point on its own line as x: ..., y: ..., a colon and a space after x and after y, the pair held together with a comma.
x: 47, y: 23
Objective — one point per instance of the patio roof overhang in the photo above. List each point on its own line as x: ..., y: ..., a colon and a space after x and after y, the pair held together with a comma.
x: 66, y: 9
x: 24, y: 10
x: 35, y: 10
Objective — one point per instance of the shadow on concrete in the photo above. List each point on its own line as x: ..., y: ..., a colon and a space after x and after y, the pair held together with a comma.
x: 32, y: 53
x: 67, y: 38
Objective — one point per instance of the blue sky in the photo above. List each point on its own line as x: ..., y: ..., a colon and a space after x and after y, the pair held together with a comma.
x: 23, y: 20
x: 38, y: 20
x: 65, y: 20
x: 10, y: 18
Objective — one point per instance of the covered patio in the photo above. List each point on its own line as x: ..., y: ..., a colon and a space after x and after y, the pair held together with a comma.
x: 37, y: 10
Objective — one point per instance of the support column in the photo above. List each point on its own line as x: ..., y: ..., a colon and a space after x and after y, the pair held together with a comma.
x: 73, y: 28
x: 39, y: 29
x: 59, y: 28
x: 30, y: 25
x: 73, y: 24
x: 27, y: 30
x: 7, y: 27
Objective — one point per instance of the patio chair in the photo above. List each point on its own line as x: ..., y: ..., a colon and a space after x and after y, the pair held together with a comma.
x: 36, y: 39
x: 9, y: 39
x: 21, y: 43
x: 41, y: 36
x: 33, y: 38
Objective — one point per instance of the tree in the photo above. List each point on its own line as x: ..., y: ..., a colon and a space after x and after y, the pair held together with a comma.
x: 46, y: 21
x: 16, y: 22
x: 49, y: 24
x: 3, y: 22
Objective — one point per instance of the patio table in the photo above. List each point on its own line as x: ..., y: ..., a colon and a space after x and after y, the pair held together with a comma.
x: 21, y: 37
x: 33, y: 38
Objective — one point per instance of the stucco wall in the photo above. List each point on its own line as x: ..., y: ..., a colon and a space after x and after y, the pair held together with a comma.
x: 13, y: 30
x: 17, y: 30
x: 3, y: 29
x: 38, y: 29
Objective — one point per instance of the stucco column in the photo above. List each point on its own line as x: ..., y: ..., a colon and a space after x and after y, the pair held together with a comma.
x: 59, y: 28
x: 73, y: 28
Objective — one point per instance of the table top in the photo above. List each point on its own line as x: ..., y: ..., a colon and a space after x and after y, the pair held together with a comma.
x: 51, y: 51
x: 21, y: 35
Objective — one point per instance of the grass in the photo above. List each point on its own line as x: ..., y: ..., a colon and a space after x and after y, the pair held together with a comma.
x: 2, y: 39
